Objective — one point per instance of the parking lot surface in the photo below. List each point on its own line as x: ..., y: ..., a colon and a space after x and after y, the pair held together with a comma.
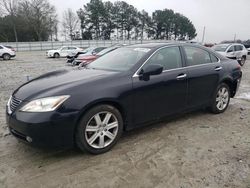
x: 197, y: 149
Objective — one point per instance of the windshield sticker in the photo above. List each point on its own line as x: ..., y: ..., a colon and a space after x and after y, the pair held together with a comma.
x: 142, y: 49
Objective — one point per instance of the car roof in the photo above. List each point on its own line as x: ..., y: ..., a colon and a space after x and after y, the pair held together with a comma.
x: 227, y: 44
x: 150, y: 45
x: 68, y: 46
x: 157, y: 45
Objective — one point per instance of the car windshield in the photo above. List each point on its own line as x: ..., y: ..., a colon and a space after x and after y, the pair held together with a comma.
x: 107, y: 50
x: 88, y: 49
x: 220, y: 48
x: 61, y: 48
x: 121, y: 59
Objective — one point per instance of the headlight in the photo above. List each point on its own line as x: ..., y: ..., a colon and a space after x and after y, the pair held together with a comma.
x: 45, y: 104
x: 8, y: 105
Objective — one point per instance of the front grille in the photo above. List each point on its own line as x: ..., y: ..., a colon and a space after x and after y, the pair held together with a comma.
x: 14, y: 103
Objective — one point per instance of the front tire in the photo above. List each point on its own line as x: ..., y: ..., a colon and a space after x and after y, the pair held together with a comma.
x: 56, y: 55
x: 221, y: 99
x: 99, y: 129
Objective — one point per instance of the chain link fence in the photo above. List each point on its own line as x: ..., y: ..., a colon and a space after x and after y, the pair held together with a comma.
x: 48, y: 45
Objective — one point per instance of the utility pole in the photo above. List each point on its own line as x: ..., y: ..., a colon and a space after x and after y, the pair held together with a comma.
x: 203, y: 35
x: 234, y: 37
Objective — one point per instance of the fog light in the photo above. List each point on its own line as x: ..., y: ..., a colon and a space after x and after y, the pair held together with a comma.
x: 28, y: 139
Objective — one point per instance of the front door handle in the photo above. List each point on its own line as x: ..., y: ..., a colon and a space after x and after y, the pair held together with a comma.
x: 218, y: 68
x: 181, y: 76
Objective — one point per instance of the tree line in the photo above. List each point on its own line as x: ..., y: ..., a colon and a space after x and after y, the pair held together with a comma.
x: 37, y: 20
x: 27, y: 20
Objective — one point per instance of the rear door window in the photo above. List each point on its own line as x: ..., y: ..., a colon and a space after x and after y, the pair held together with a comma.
x: 169, y: 58
x: 196, y: 56
x: 238, y: 48
x: 214, y: 58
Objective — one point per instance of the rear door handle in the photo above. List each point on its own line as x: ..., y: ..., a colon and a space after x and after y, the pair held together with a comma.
x: 181, y: 76
x: 218, y: 68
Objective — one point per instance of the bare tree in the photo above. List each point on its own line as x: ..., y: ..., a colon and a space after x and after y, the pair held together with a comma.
x: 9, y: 7
x: 70, y: 22
x: 41, y: 16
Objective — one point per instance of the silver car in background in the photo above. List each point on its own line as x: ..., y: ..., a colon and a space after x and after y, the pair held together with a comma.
x: 233, y: 51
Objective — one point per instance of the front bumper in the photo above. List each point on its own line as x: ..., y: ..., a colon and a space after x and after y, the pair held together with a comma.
x: 49, y: 54
x: 51, y: 129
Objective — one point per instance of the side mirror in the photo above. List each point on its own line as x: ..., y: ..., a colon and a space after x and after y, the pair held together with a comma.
x: 229, y: 51
x: 150, y: 70
x: 94, y: 53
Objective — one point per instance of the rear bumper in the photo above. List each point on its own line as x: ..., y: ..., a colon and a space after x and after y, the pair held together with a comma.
x: 45, y: 130
x: 237, y: 85
x: 49, y: 54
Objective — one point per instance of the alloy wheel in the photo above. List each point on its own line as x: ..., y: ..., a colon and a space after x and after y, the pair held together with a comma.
x: 101, y: 130
x: 222, y: 98
x: 243, y: 60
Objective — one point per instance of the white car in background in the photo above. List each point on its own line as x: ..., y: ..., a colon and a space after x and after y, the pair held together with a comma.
x: 232, y: 51
x: 7, y: 52
x: 64, y: 51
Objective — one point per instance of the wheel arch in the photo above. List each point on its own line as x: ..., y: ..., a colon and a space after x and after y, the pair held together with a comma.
x: 111, y: 102
x: 231, y: 84
x: 6, y: 53
x: 56, y: 53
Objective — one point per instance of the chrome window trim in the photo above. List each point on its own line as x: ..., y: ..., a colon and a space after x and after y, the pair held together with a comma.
x: 138, y: 70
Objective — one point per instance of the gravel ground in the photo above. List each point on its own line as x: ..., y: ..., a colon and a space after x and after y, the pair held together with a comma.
x: 198, y: 149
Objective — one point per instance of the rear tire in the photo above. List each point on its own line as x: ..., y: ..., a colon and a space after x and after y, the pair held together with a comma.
x: 242, y: 61
x: 6, y: 56
x: 99, y: 129
x: 221, y: 99
x: 56, y: 55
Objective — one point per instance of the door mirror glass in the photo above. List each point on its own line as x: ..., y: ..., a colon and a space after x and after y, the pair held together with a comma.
x: 150, y: 70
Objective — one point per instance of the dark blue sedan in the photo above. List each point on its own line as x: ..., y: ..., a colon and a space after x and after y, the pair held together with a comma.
x: 127, y: 88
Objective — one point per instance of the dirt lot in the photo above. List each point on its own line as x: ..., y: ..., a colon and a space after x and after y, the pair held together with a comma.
x: 195, y: 150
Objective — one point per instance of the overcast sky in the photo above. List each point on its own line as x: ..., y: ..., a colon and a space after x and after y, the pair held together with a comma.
x: 222, y: 18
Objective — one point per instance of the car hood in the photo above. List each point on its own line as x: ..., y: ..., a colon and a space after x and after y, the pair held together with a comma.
x: 52, y: 51
x: 56, y: 82
x: 222, y: 53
